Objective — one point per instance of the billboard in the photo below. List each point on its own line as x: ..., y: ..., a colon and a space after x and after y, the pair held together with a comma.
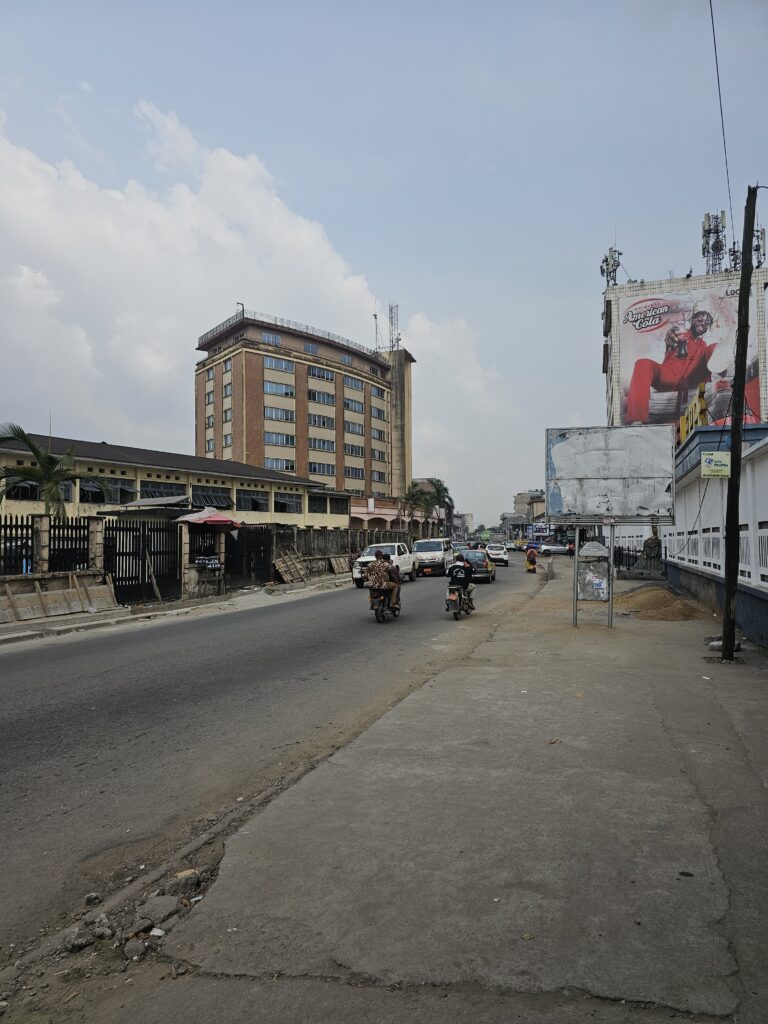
x: 614, y: 474
x: 670, y: 342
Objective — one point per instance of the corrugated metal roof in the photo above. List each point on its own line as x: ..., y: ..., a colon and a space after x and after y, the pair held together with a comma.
x: 102, y: 451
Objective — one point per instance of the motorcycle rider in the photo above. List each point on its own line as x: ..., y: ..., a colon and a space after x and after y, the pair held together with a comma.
x: 394, y: 577
x: 377, y: 574
x: 461, y: 573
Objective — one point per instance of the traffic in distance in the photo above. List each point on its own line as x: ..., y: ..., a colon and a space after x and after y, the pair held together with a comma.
x: 383, y: 568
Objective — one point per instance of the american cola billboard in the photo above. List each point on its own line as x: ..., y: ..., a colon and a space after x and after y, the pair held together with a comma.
x: 671, y: 342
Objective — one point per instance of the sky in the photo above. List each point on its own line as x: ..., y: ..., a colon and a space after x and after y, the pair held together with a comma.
x: 470, y: 161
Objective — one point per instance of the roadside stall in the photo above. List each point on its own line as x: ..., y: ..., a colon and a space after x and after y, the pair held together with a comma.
x: 202, y: 551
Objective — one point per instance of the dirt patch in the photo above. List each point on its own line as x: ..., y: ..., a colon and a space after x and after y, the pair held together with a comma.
x: 660, y: 603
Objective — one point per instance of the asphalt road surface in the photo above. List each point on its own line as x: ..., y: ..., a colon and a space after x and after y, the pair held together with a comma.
x: 118, y: 745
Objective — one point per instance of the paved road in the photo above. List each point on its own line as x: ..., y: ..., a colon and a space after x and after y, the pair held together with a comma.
x: 116, y: 743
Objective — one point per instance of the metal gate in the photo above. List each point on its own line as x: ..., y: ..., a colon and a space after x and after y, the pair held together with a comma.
x: 143, y: 559
x: 249, y: 556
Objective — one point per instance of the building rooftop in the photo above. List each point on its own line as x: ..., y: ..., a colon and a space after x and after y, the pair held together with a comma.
x: 102, y: 451
x: 246, y: 316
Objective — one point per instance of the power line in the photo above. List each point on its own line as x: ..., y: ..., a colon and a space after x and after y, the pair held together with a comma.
x: 722, y: 119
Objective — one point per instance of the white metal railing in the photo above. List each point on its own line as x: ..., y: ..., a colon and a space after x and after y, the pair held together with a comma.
x: 292, y: 325
x: 695, y: 540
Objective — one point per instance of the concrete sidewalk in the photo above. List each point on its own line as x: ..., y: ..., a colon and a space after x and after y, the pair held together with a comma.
x: 567, y: 827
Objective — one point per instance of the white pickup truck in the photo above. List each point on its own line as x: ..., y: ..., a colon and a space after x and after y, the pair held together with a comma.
x: 399, y: 554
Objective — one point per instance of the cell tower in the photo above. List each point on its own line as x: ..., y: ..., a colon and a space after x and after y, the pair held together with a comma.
x: 609, y: 266
x: 714, y: 242
x: 394, y: 327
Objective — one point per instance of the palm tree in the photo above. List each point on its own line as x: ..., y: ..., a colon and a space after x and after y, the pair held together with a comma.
x: 426, y: 505
x: 443, y: 500
x: 409, y: 502
x: 47, y: 473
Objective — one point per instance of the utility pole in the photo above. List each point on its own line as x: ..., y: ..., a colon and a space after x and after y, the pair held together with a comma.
x: 737, y: 425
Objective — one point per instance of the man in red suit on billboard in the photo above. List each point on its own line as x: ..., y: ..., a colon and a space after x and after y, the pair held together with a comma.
x: 684, y: 367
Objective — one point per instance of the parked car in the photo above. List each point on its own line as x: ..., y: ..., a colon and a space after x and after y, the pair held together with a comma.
x: 433, y: 557
x: 553, y: 547
x: 399, y: 554
x: 498, y: 554
x: 484, y: 570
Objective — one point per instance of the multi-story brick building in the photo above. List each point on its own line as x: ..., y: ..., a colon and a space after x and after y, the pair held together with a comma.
x: 290, y: 398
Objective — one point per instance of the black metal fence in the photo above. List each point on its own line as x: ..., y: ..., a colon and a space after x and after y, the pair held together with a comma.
x: 16, y: 545
x: 143, y: 559
x: 625, y: 558
x: 68, y: 545
x: 327, y: 543
x: 202, y: 541
x: 248, y: 559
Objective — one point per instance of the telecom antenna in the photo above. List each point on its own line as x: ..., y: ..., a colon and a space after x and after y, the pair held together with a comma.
x: 609, y: 266
x: 394, y: 327
x: 714, y: 242
x: 758, y: 249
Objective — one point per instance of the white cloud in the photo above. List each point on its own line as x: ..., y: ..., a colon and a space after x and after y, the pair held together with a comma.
x: 170, y: 145
x: 105, y: 291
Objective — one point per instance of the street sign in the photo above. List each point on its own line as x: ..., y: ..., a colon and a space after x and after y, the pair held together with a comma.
x: 716, y: 464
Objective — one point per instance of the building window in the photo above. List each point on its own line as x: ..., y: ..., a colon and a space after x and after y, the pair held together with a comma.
x: 318, y: 503
x: 323, y: 397
x: 227, y: 391
x: 160, y: 489
x: 321, y: 373
x: 228, y: 365
x: 209, y: 421
x: 113, y: 492
x: 378, y: 455
x: 284, y: 465
x: 354, y: 472
x: 353, y: 382
x: 354, y: 490
x: 378, y: 477
x: 378, y: 392
x: 339, y: 506
x: 227, y: 415
x: 209, y: 445
x: 323, y: 468
x: 23, y: 491
x: 211, y: 497
x: 353, y: 428
x: 346, y: 358
x: 321, y: 444
x: 374, y: 370
x: 326, y: 422
x: 351, y: 405
x: 354, y: 449
x: 272, y: 412
x: 209, y: 373
x: 378, y: 435
x: 252, y: 501
x: 284, y: 440
x: 272, y: 387
x: 290, y: 503
x: 270, y: 338
x: 209, y: 398
x: 283, y: 365
x: 227, y: 440
x: 310, y: 348
x: 378, y: 414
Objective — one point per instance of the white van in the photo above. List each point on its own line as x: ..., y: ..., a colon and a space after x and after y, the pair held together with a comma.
x: 433, y: 557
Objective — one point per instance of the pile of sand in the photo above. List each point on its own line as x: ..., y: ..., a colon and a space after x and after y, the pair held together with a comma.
x: 657, y: 602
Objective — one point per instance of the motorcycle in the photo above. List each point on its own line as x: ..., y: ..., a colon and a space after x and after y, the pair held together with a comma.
x: 380, y: 605
x: 457, y: 601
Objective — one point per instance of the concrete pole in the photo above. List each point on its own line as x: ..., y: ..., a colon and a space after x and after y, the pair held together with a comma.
x: 41, y: 543
x: 576, y: 578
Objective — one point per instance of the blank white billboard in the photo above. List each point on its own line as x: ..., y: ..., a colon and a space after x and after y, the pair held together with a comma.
x: 622, y: 473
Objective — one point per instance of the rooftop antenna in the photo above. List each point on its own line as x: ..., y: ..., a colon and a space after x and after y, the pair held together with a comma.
x: 394, y: 327
x: 609, y: 266
x: 714, y: 242
x: 378, y: 341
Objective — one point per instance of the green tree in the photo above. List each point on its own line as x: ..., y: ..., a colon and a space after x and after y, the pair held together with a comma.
x: 443, y: 500
x: 48, y: 472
